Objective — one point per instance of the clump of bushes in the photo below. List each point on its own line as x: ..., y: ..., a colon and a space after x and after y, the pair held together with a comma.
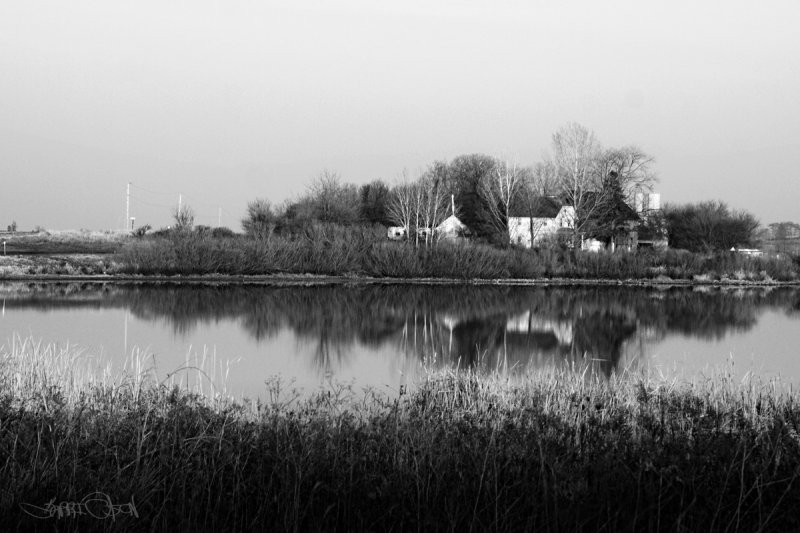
x: 331, y: 249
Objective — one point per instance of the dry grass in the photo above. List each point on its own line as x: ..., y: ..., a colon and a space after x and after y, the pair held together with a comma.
x: 554, y: 451
x: 356, y: 251
x: 65, y: 241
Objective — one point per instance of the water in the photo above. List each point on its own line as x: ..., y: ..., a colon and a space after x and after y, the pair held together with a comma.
x: 385, y: 336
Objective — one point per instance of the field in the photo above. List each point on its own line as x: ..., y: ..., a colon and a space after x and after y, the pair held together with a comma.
x: 558, y: 451
x: 63, y: 242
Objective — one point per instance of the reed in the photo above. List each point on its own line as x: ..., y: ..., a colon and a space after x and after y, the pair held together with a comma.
x: 549, y: 451
x: 356, y: 251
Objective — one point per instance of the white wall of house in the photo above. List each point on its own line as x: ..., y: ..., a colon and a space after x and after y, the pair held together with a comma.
x: 451, y: 229
x: 527, y: 231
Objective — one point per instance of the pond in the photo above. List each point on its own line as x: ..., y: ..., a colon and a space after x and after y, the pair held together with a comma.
x: 234, y: 337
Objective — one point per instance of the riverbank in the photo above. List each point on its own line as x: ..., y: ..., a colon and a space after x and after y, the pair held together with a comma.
x: 104, y: 268
x: 554, y: 451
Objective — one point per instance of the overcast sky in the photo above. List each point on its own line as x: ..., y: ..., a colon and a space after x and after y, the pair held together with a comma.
x: 223, y: 102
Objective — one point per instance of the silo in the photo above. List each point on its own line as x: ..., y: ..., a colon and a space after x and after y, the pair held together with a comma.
x: 654, y: 201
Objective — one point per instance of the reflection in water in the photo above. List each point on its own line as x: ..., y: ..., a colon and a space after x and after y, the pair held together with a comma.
x: 485, y: 327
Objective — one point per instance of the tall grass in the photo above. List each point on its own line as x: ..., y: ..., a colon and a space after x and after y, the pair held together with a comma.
x: 558, y: 451
x: 359, y: 251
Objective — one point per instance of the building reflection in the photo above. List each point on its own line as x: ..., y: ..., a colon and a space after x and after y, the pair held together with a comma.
x: 605, y: 329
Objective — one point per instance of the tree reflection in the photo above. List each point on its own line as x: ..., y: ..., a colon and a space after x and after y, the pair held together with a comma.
x: 482, y: 327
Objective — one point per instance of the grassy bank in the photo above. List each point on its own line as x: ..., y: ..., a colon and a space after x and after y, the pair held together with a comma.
x: 64, y: 241
x: 361, y: 252
x: 550, y: 452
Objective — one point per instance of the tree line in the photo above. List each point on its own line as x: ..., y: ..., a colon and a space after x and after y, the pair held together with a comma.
x: 485, y: 191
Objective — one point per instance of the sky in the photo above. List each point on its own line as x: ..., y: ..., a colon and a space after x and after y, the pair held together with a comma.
x: 216, y: 103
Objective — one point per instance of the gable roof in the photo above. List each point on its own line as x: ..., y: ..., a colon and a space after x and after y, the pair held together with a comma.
x: 542, y: 207
x: 549, y: 207
x: 451, y: 224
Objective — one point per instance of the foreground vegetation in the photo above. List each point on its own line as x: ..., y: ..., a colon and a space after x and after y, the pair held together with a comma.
x: 557, y: 451
x: 336, y: 250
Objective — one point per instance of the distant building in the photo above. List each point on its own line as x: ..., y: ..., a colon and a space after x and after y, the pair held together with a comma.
x: 647, y: 203
x: 451, y: 229
x: 607, y: 227
x: 652, y: 230
x: 533, y: 225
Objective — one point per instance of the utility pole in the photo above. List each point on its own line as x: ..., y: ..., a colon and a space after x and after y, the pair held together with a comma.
x: 180, y: 201
x: 127, y: 204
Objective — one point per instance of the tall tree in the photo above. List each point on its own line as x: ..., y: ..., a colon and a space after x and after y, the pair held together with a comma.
x: 466, y: 175
x: 331, y: 200
x: 432, y: 201
x: 374, y: 201
x: 499, y: 190
x: 612, y: 214
x: 400, y: 209
x: 539, y: 183
x: 633, y: 168
x: 709, y: 226
x: 575, y: 153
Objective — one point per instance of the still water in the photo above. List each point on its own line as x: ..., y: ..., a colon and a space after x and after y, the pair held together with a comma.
x: 385, y: 336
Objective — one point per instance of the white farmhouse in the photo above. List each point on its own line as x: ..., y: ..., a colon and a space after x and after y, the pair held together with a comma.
x: 534, y: 225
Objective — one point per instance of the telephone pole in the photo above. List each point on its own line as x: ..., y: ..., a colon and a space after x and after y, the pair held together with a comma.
x: 127, y: 205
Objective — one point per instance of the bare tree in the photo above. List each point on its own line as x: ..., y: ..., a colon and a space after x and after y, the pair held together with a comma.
x: 499, y: 190
x: 432, y: 204
x: 332, y: 200
x: 709, y: 226
x: 575, y: 154
x: 633, y: 167
x: 260, y: 220
x: 419, y: 206
x: 400, y: 209
x: 184, y: 217
x: 538, y: 183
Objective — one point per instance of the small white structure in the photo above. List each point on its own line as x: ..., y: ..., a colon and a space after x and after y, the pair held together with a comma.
x: 543, y: 220
x: 591, y: 245
x: 397, y: 233
x: 652, y: 232
x: 424, y: 233
x: 451, y: 228
x: 752, y: 252
x: 645, y: 203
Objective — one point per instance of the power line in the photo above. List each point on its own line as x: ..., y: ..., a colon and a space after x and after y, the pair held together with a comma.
x: 150, y: 203
x: 154, y: 192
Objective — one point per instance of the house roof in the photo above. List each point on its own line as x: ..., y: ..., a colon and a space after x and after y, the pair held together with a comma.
x: 549, y: 207
x: 451, y: 223
x: 542, y: 207
x: 623, y: 211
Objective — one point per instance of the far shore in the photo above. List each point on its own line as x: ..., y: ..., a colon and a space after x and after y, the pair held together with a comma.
x: 14, y: 269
